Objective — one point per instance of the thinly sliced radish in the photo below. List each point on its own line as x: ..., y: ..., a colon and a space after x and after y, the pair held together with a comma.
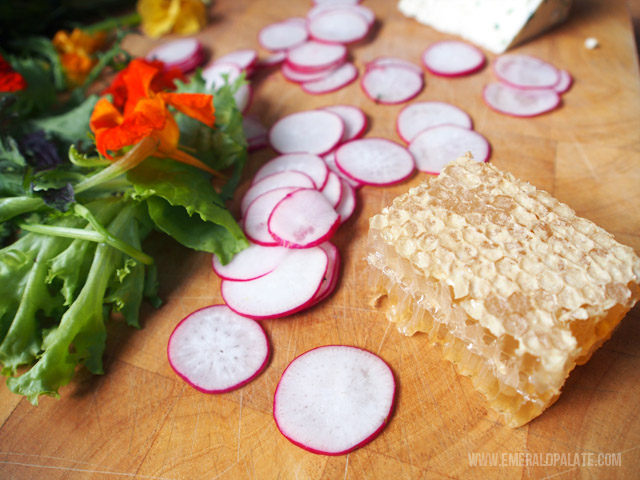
x: 251, y: 263
x: 375, y: 161
x: 347, y: 204
x: 219, y: 73
x: 564, y: 83
x: 332, y: 189
x: 333, y: 269
x: 303, y: 219
x: 335, y: 80
x: 419, y: 116
x: 216, y: 350
x: 354, y: 119
x: 311, y: 165
x: 520, y: 102
x: 255, y: 132
x: 453, y: 58
x: 185, y: 54
x: 334, y: 399
x: 434, y: 147
x: 330, y: 160
x: 336, y: 2
x: 525, y: 71
x: 338, y: 26
x: 245, y: 58
x: 297, y: 76
x: 394, y: 61
x: 289, y: 288
x: 289, y: 178
x: 391, y: 84
x: 282, y: 35
x: 312, y: 56
x: 256, y: 218
x: 243, y: 96
x: 367, y: 13
x: 271, y: 60
x: 311, y: 131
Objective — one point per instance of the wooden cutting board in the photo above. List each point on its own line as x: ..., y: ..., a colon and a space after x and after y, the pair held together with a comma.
x: 140, y: 420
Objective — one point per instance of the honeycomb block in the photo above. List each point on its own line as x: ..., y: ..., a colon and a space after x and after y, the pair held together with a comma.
x: 515, y: 287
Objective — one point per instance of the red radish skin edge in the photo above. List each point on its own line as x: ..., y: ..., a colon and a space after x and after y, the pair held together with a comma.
x: 233, y: 387
x: 355, y: 447
x: 460, y: 73
x: 396, y: 102
x: 525, y: 87
x: 408, y: 140
x: 516, y: 115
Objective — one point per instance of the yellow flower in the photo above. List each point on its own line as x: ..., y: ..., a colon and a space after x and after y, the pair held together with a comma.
x: 75, y: 52
x: 160, y: 17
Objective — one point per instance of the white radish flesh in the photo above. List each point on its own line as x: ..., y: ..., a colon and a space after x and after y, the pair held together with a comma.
x: 245, y: 58
x: 216, y: 350
x: 419, y: 116
x: 255, y: 133
x: 335, y: 80
x: 311, y: 131
x: 338, y: 26
x: 347, y: 204
x: 330, y: 160
x: 271, y: 60
x: 275, y: 180
x: 303, y: 219
x: 282, y: 35
x: 520, y: 102
x: 394, y: 61
x: 564, y: 83
x: 525, y: 71
x: 375, y: 161
x: 333, y: 270
x: 311, y: 165
x: 243, y: 96
x: 453, y: 58
x: 332, y: 189
x: 256, y: 218
x: 434, y: 147
x: 313, y: 56
x: 354, y: 119
x: 184, y: 54
x: 391, y: 84
x: 217, y: 74
x: 289, y: 288
x: 252, y: 262
x: 298, y: 76
x: 334, y: 399
x: 365, y: 12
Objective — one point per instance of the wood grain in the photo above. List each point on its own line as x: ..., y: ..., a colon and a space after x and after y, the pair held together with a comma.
x: 140, y: 420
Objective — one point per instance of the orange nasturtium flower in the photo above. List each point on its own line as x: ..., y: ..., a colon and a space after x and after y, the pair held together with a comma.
x: 10, y: 80
x: 160, y: 17
x: 140, y: 112
x: 75, y: 51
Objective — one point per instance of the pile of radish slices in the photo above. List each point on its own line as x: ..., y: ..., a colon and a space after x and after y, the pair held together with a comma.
x: 527, y: 86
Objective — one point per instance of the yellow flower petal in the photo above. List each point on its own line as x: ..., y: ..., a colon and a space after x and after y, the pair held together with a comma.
x: 192, y: 17
x: 158, y: 16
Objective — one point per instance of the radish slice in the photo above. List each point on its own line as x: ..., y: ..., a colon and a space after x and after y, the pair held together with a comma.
x: 303, y: 219
x: 311, y: 131
x: 255, y: 133
x: 525, y: 71
x: 365, y: 12
x: 391, y: 84
x: 564, y: 83
x: 419, y: 116
x: 434, y: 147
x: 297, y: 76
x: 335, y: 80
x: 453, y: 58
x: 184, y: 54
x: 257, y: 215
x: 289, y: 288
x: 375, y: 161
x: 393, y: 61
x: 216, y: 350
x: 311, y: 165
x: 245, y: 59
x: 347, y: 204
x: 354, y: 119
x: 334, y: 399
x: 243, y: 96
x: 214, y: 75
x: 338, y: 26
x: 282, y: 35
x: 275, y: 180
x: 330, y: 160
x: 520, y: 102
x: 332, y: 189
x: 251, y: 263
x: 271, y: 60
x: 336, y: 2
x: 333, y: 270
x: 312, y: 56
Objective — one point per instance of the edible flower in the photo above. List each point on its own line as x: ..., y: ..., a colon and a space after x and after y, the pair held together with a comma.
x: 140, y: 114
x: 161, y: 17
x: 10, y: 80
x: 76, y: 52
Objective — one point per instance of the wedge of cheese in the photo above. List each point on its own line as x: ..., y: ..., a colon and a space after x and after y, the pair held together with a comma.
x: 514, y: 286
x: 496, y: 25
